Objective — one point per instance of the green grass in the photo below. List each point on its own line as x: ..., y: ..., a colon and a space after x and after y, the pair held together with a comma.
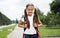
x: 49, y: 32
x: 5, y: 32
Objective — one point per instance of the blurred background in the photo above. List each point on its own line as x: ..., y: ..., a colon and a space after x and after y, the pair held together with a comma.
x: 11, y: 12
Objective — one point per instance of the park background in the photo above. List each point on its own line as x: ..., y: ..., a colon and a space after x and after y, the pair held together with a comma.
x: 11, y: 12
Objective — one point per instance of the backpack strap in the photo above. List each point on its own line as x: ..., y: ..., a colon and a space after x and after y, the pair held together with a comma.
x: 37, y: 32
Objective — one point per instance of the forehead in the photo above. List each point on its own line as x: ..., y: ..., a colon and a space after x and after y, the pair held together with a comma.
x: 30, y: 7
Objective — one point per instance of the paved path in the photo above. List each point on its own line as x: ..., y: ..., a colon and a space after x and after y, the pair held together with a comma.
x: 7, y: 25
x: 16, y: 33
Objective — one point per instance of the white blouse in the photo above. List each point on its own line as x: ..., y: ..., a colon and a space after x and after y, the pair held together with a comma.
x: 32, y: 29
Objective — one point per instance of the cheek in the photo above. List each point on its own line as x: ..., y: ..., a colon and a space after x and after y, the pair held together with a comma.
x: 26, y: 11
x: 33, y: 11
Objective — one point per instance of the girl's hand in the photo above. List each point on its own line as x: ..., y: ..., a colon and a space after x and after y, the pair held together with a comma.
x: 25, y: 26
x: 35, y: 25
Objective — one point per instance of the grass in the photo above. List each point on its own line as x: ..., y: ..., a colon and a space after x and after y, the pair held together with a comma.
x: 4, y: 31
x: 49, y: 32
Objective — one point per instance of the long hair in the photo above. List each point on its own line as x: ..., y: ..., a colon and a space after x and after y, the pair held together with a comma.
x: 35, y: 18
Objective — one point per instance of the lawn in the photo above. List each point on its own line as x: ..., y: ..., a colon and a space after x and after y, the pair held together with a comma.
x: 49, y: 32
x: 5, y: 31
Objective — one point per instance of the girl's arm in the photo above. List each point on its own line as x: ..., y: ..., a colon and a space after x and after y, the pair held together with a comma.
x: 20, y: 24
x: 40, y: 23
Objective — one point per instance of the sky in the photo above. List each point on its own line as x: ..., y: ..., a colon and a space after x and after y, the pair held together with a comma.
x: 14, y: 9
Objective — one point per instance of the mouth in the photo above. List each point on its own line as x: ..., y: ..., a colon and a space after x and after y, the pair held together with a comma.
x: 30, y: 12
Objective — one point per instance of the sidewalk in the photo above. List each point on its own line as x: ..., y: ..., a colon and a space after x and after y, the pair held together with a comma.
x: 16, y: 33
x: 7, y: 25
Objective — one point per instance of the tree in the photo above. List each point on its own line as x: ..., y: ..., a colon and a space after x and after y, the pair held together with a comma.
x: 53, y: 18
x: 16, y: 21
x: 55, y: 6
x: 4, y: 20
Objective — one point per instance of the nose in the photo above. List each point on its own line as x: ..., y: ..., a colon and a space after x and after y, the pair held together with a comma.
x: 30, y: 11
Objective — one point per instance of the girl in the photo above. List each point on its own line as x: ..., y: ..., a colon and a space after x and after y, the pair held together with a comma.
x: 30, y: 22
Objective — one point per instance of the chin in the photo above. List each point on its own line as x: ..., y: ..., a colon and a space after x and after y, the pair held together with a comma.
x: 30, y: 14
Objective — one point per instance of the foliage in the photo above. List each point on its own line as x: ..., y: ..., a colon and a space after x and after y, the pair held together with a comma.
x: 53, y: 18
x: 4, y: 20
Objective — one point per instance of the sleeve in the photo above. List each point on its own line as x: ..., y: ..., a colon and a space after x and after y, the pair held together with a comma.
x: 22, y: 19
x: 20, y: 22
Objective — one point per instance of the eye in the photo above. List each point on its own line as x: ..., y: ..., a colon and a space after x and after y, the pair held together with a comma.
x: 28, y: 9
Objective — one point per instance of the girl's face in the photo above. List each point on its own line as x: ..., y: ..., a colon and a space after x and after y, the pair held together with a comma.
x: 30, y: 10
